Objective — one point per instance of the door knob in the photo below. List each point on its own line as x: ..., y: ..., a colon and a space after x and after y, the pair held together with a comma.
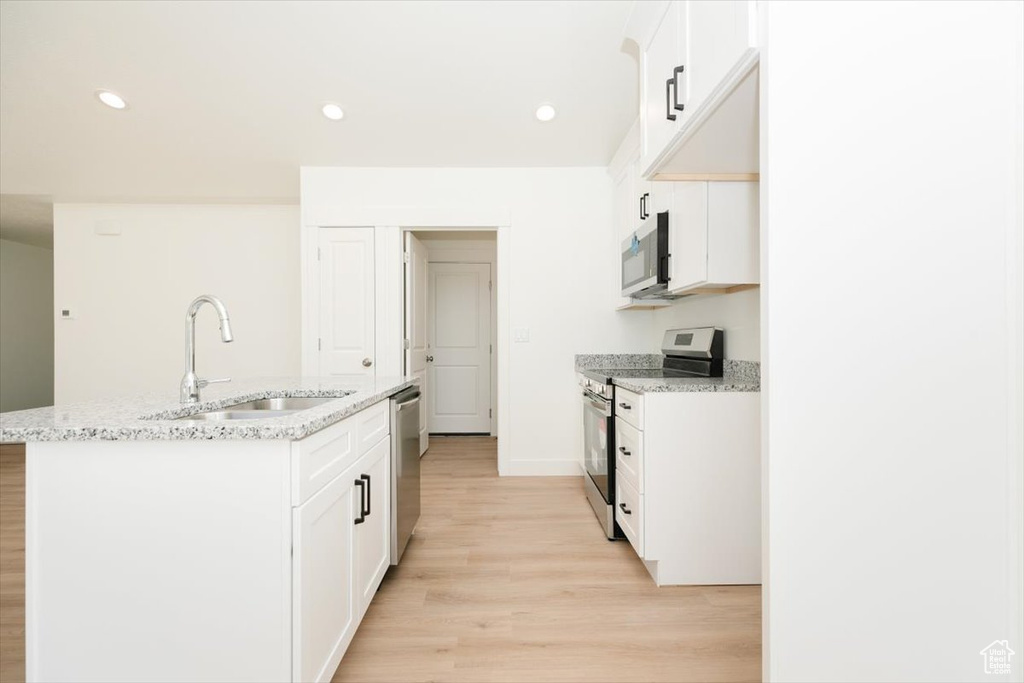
x: 430, y: 359
x: 367, y: 362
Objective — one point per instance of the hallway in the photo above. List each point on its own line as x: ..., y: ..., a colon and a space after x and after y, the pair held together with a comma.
x: 511, y: 579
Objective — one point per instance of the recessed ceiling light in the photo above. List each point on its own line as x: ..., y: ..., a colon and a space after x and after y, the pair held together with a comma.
x: 333, y: 112
x: 545, y: 112
x: 112, y: 100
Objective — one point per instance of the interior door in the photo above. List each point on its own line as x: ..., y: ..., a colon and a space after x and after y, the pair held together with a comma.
x: 346, y: 301
x: 459, y: 348
x: 416, y: 324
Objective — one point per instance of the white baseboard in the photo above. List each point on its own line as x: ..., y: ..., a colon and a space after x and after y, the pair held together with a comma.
x: 543, y: 468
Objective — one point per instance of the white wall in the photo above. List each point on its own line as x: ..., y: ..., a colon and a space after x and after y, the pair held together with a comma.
x: 562, y: 247
x: 128, y: 294
x: 738, y: 314
x: 26, y: 326
x: 891, y: 180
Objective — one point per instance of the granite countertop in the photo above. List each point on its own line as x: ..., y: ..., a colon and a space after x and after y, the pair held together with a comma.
x: 152, y: 417
x: 738, y: 375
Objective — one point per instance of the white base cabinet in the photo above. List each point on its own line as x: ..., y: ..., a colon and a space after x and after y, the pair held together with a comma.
x: 688, y: 485
x: 204, y: 560
x: 340, y: 554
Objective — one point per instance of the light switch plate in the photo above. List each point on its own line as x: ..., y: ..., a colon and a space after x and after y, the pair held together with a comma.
x: 521, y: 335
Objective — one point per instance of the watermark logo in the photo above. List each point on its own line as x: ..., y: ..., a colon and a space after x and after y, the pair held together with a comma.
x: 997, y: 657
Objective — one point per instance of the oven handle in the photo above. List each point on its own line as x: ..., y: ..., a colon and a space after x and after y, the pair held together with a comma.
x: 604, y: 406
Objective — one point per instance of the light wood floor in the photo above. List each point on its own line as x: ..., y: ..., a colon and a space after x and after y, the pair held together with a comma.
x: 512, y: 579
x: 12, y: 563
x: 506, y: 579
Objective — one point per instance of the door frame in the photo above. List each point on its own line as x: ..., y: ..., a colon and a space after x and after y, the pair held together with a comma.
x: 389, y: 286
x: 476, y: 255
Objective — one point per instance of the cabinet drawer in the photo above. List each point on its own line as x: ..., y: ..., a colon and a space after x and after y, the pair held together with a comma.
x: 373, y: 424
x: 629, y: 513
x: 320, y: 457
x: 629, y: 454
x: 630, y: 407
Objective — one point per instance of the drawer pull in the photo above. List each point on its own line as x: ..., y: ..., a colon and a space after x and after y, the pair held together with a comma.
x: 625, y: 406
x: 362, y: 501
x: 624, y: 451
x: 622, y: 506
x: 366, y: 478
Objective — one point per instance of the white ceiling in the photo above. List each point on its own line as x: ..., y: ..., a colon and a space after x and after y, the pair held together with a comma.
x: 27, y: 219
x: 225, y: 97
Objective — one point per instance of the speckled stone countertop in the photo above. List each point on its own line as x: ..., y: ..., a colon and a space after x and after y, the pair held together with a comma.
x: 596, y: 361
x: 153, y: 417
x: 738, y: 375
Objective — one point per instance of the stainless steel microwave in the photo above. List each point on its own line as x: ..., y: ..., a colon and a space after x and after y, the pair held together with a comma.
x: 645, y: 259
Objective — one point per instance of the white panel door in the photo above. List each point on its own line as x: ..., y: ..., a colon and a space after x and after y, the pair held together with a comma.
x: 346, y: 301
x: 459, y: 352
x: 323, y: 605
x: 416, y: 324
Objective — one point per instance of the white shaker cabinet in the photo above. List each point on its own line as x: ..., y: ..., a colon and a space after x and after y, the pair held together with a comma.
x: 713, y: 236
x: 664, y: 80
x: 323, y: 610
x: 341, y: 546
x: 694, y: 55
x: 688, y: 484
x: 372, y: 541
x: 723, y: 32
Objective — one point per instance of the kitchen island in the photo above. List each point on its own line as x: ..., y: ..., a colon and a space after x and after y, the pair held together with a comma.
x: 163, y: 546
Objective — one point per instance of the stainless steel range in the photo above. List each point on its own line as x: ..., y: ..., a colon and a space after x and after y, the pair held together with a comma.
x: 693, y: 352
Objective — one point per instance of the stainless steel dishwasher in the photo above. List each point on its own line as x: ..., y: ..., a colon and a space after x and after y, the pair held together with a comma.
x: 405, y: 468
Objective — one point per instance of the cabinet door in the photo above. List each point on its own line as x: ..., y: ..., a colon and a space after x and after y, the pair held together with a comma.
x: 666, y: 51
x: 346, y: 292
x: 323, y: 610
x: 373, y: 536
x: 688, y: 235
x: 723, y: 30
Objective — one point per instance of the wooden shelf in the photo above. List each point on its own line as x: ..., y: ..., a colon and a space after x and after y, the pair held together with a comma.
x: 644, y: 305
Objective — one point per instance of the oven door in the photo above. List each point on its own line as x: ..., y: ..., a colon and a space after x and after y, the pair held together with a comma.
x: 598, y: 442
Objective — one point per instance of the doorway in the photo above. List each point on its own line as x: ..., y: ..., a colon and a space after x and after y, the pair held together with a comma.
x: 450, y: 330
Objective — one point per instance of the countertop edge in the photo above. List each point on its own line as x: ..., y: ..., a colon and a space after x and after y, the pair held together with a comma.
x: 149, y: 428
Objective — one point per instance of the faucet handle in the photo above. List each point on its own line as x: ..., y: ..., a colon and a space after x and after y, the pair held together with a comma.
x: 203, y: 382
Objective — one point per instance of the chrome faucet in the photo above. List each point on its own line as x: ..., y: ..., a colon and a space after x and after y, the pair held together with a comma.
x: 190, y: 384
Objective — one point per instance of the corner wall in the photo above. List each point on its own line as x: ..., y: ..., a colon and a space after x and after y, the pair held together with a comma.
x: 892, y: 338
x: 26, y: 326
x: 128, y: 293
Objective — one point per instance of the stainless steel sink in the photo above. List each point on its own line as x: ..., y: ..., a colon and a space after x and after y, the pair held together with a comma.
x: 261, y: 408
x: 237, y: 415
x: 289, y: 403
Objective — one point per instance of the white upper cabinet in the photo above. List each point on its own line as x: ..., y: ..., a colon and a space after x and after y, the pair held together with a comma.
x: 664, y: 92
x: 725, y: 31
x: 713, y: 236
x: 698, y: 99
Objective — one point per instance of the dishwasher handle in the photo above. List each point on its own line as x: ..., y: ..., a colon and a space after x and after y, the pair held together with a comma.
x: 415, y: 398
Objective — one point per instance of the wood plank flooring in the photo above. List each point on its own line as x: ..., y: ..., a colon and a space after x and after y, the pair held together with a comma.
x: 12, y: 563
x: 511, y: 579
x: 507, y: 579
